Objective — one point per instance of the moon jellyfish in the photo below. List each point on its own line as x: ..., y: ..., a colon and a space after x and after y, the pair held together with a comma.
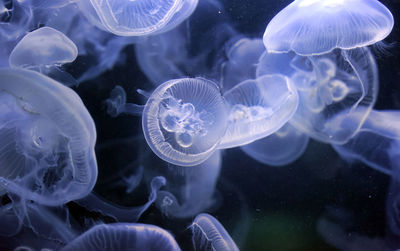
x: 377, y: 143
x: 209, y: 234
x: 312, y: 27
x: 341, y: 82
x: 44, y: 46
x: 242, y: 61
x: 49, y: 155
x: 281, y: 148
x: 258, y: 108
x: 190, y: 190
x: 124, y: 236
x: 184, y: 120
x: 137, y: 18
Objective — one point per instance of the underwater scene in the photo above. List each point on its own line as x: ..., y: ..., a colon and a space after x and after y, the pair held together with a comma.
x: 204, y: 125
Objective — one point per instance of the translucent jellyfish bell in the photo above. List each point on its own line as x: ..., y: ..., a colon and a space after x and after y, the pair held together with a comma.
x: 184, y: 120
x: 341, y: 82
x: 311, y: 27
x: 49, y: 155
x: 209, y: 234
x: 44, y: 46
x: 281, y: 148
x: 124, y: 236
x: 139, y: 17
x: 258, y: 108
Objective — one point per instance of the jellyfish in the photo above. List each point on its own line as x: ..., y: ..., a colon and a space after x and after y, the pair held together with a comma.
x: 190, y: 190
x: 258, y: 108
x: 242, y: 62
x: 42, y: 47
x: 280, y: 148
x: 341, y: 82
x: 124, y: 236
x: 313, y: 27
x: 184, y: 120
x: 209, y: 234
x: 137, y: 18
x: 49, y: 155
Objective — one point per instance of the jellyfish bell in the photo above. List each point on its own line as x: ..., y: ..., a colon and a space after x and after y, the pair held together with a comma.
x: 339, y: 82
x: 281, y: 148
x: 258, y: 108
x: 124, y: 236
x: 44, y: 46
x: 137, y: 18
x: 49, y: 155
x: 313, y: 27
x: 184, y: 120
x: 209, y: 234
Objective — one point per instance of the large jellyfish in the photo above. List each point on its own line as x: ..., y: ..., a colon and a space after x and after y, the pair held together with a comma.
x: 258, y: 108
x: 49, y: 155
x: 278, y: 149
x: 341, y: 82
x: 124, y: 236
x: 137, y: 18
x: 190, y: 190
x: 209, y: 234
x: 184, y: 120
x: 312, y: 27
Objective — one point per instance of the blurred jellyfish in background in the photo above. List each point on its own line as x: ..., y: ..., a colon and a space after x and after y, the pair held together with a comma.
x: 209, y: 234
x: 281, y: 148
x: 190, y: 190
x: 124, y: 236
x: 49, y: 155
x: 182, y: 52
x: 312, y: 27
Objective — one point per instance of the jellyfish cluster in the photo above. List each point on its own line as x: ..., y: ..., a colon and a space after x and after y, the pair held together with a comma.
x: 174, y: 124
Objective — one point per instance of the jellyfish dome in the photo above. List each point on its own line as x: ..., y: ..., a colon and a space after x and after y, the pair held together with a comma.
x: 48, y: 139
x: 258, y: 108
x: 311, y: 27
x: 139, y: 17
x: 184, y: 120
x: 124, y: 236
x: 44, y: 46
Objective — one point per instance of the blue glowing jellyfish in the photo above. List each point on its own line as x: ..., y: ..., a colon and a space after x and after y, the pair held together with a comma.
x: 43, y: 47
x: 313, y: 27
x: 209, y: 234
x: 190, y: 190
x: 49, y: 155
x: 124, y: 236
x: 242, y: 62
x: 137, y: 18
x: 258, y: 108
x: 184, y: 120
x: 341, y: 82
x: 281, y: 148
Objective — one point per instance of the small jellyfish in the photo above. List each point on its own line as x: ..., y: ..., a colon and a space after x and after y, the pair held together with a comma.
x: 49, y: 154
x: 44, y: 46
x: 242, y: 62
x: 139, y: 17
x: 190, y: 190
x: 281, y: 148
x: 124, y: 236
x: 258, y: 108
x: 209, y: 234
x: 314, y: 27
x: 184, y: 120
x: 340, y: 82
